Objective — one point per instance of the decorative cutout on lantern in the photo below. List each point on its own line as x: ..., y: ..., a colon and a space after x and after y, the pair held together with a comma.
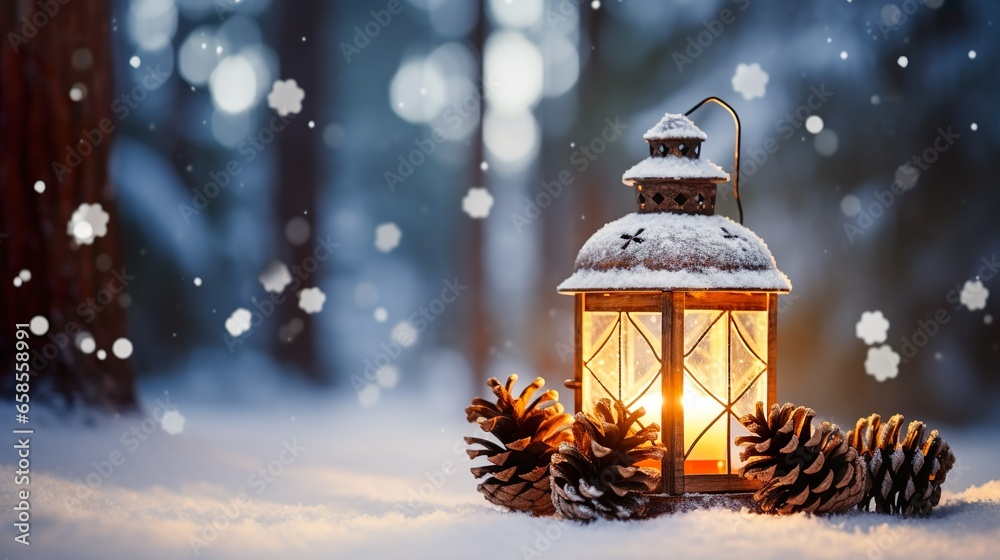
x: 682, y: 320
x: 674, y: 177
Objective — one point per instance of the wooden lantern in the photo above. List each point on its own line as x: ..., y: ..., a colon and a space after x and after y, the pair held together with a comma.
x: 676, y: 312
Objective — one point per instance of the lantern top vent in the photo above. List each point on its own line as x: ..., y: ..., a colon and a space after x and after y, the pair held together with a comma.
x: 674, y: 126
x: 674, y: 168
x: 674, y: 178
x: 670, y: 251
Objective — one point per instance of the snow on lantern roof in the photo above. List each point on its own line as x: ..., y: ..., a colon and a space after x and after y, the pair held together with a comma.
x: 667, y: 251
x: 674, y: 126
x: 674, y: 167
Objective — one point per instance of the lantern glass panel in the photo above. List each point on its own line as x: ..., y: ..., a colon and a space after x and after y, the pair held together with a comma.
x: 725, y: 374
x: 622, y: 361
x: 705, y: 430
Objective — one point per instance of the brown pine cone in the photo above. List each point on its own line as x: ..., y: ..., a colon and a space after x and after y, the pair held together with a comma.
x: 528, y: 435
x: 801, y: 469
x: 598, y: 475
x: 904, y: 477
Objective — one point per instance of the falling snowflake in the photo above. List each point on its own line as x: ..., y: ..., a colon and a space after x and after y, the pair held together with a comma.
x: 974, y: 295
x: 387, y: 376
x: 172, y: 422
x: 39, y: 186
x: 381, y: 314
x: 850, y: 205
x: 906, y: 176
x: 88, y: 222
x: 135, y: 61
x: 122, y: 348
x: 38, y: 325
x: 873, y: 327
x: 275, y: 276
x: 404, y: 333
x: 286, y: 97
x: 85, y: 342
x: 477, y: 202
x: 750, y: 81
x: 814, y: 124
x: 387, y: 237
x: 239, y: 322
x: 311, y: 300
x: 902, y: 61
x: 882, y: 363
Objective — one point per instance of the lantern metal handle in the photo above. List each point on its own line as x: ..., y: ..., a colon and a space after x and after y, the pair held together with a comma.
x: 736, y: 155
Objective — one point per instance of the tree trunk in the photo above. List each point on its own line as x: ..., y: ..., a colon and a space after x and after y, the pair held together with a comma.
x: 482, y: 327
x: 45, y: 135
x: 298, y: 174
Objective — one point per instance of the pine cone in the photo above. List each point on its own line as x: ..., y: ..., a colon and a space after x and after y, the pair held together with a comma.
x: 528, y: 434
x: 598, y: 476
x: 801, y: 469
x: 904, y: 477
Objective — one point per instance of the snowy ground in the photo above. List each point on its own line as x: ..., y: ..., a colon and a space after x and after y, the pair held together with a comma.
x: 391, y: 481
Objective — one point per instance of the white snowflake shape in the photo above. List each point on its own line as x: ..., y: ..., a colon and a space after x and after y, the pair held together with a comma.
x: 882, y: 362
x: 88, y: 222
x: 239, y: 322
x: 38, y: 325
x: 275, y: 276
x: 387, y: 237
x: 286, y: 97
x: 122, y: 348
x: 311, y: 300
x: 907, y: 175
x: 873, y: 327
x: 477, y: 202
x: 172, y: 422
x: 974, y: 295
x: 750, y: 80
x: 86, y: 343
x: 404, y: 333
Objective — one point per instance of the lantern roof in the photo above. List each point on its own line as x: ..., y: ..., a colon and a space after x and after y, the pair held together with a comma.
x: 674, y: 126
x: 667, y: 251
x: 674, y: 167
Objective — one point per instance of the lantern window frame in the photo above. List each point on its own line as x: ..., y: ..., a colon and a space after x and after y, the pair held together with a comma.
x: 671, y: 305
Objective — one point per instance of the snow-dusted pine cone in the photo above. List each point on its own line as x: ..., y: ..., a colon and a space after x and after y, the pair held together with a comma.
x: 802, y: 469
x: 904, y: 477
x: 529, y: 433
x: 598, y: 474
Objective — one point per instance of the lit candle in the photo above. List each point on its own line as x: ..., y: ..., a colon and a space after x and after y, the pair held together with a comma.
x: 709, y: 455
x: 652, y: 403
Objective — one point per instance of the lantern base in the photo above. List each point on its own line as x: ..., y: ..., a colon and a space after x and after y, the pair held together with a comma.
x: 665, y: 504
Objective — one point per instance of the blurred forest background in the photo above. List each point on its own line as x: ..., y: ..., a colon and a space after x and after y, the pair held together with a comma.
x: 409, y: 104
